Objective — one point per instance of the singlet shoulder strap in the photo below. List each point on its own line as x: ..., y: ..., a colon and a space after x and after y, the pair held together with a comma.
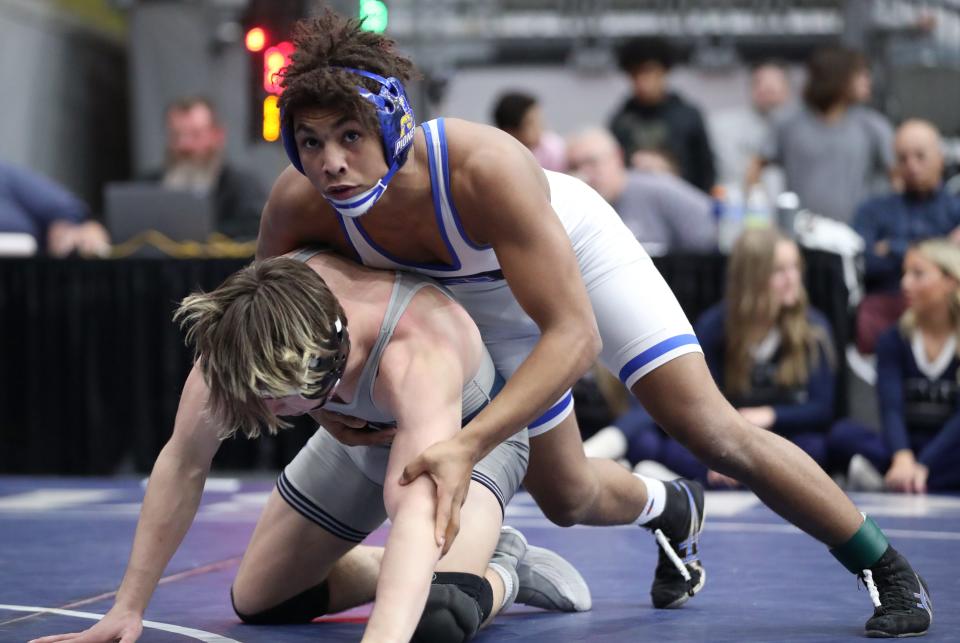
x: 405, y: 287
x: 306, y: 253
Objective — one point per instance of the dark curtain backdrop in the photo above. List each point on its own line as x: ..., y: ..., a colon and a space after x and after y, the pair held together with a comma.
x: 91, y: 365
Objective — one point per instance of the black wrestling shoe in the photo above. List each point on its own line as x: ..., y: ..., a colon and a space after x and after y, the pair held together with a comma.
x: 679, y: 574
x: 901, y: 604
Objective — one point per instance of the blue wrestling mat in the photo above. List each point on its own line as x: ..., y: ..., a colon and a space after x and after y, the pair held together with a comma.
x: 64, y: 545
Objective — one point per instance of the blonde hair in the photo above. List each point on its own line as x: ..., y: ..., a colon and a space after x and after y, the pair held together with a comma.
x: 750, y: 308
x: 945, y: 256
x: 256, y: 336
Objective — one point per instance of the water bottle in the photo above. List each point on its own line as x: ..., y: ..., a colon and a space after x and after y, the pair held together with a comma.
x: 730, y: 224
x: 788, y: 204
x: 757, y: 214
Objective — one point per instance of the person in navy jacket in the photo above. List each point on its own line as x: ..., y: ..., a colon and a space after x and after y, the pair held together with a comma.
x: 917, y: 381
x: 769, y: 351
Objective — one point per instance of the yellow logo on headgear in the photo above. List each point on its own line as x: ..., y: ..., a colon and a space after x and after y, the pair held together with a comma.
x: 406, y: 124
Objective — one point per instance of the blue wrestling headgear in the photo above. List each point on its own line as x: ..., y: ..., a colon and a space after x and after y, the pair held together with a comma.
x: 397, y: 124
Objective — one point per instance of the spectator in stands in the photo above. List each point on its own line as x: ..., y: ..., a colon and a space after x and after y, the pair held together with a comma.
x: 917, y: 384
x: 654, y: 118
x: 739, y: 134
x: 861, y: 87
x: 521, y: 116
x: 769, y: 351
x: 889, y: 224
x: 862, y: 81
x: 57, y: 221
x: 195, y: 143
x: 831, y: 151
x: 663, y: 212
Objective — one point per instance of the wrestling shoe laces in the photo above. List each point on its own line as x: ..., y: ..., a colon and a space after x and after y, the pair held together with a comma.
x: 901, y: 603
x: 679, y: 574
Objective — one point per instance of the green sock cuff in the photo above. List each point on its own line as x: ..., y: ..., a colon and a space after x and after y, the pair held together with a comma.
x: 863, y: 549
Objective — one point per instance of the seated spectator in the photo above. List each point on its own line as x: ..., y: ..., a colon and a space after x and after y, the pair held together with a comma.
x: 195, y: 145
x: 656, y: 119
x: 831, y: 150
x: 520, y: 116
x: 663, y: 212
x: 769, y: 351
x: 922, y: 210
x: 917, y: 384
x: 57, y: 221
x: 889, y: 224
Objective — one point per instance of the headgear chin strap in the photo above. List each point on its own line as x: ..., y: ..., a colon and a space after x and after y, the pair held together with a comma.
x: 397, y: 125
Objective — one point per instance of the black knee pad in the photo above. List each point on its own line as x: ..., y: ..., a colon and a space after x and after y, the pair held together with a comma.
x: 302, y: 608
x: 456, y: 607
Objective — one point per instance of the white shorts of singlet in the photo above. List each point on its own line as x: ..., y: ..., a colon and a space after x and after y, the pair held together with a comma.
x: 640, y: 321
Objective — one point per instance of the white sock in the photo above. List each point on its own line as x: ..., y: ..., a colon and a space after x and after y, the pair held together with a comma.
x: 509, y: 588
x: 609, y: 442
x: 656, y: 499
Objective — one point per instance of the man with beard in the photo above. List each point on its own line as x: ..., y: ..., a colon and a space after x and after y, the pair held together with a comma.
x: 195, y: 161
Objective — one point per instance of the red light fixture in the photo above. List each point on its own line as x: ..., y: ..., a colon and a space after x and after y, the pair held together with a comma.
x: 274, y: 59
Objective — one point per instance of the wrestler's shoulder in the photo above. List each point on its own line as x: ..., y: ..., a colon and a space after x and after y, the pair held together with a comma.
x: 471, y: 143
x: 292, y: 193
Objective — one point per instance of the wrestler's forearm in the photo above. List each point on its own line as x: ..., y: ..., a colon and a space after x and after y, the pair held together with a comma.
x: 173, y: 495
x: 410, y: 555
x: 557, y: 361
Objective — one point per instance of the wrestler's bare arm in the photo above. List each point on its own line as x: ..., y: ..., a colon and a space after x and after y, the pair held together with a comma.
x: 501, y: 195
x: 169, y: 507
x: 420, y: 381
x: 292, y: 202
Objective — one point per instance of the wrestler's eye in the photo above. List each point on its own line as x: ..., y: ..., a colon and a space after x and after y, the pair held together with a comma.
x: 351, y: 136
x: 309, y: 143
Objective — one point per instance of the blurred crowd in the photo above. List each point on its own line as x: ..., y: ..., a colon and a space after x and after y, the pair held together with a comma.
x: 39, y: 216
x: 822, y: 170
x: 787, y: 170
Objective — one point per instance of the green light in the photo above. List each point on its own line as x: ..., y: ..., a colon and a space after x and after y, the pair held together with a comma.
x: 374, y: 15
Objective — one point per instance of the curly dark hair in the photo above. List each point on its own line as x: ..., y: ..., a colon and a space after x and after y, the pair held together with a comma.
x: 830, y: 72
x: 634, y: 53
x: 329, y: 41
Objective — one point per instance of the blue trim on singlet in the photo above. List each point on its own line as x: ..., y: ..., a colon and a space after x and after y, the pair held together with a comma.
x: 480, y: 277
x: 553, y: 411
x: 437, y: 214
x: 410, y: 264
x: 445, y: 159
x: 654, y: 352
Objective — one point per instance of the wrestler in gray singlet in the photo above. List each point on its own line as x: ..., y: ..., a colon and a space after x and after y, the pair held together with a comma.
x: 340, y: 487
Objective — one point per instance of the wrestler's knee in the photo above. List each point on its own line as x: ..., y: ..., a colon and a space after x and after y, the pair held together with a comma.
x: 564, y: 499
x: 565, y: 510
x: 725, y: 443
x: 456, y: 607
x: 301, y: 608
